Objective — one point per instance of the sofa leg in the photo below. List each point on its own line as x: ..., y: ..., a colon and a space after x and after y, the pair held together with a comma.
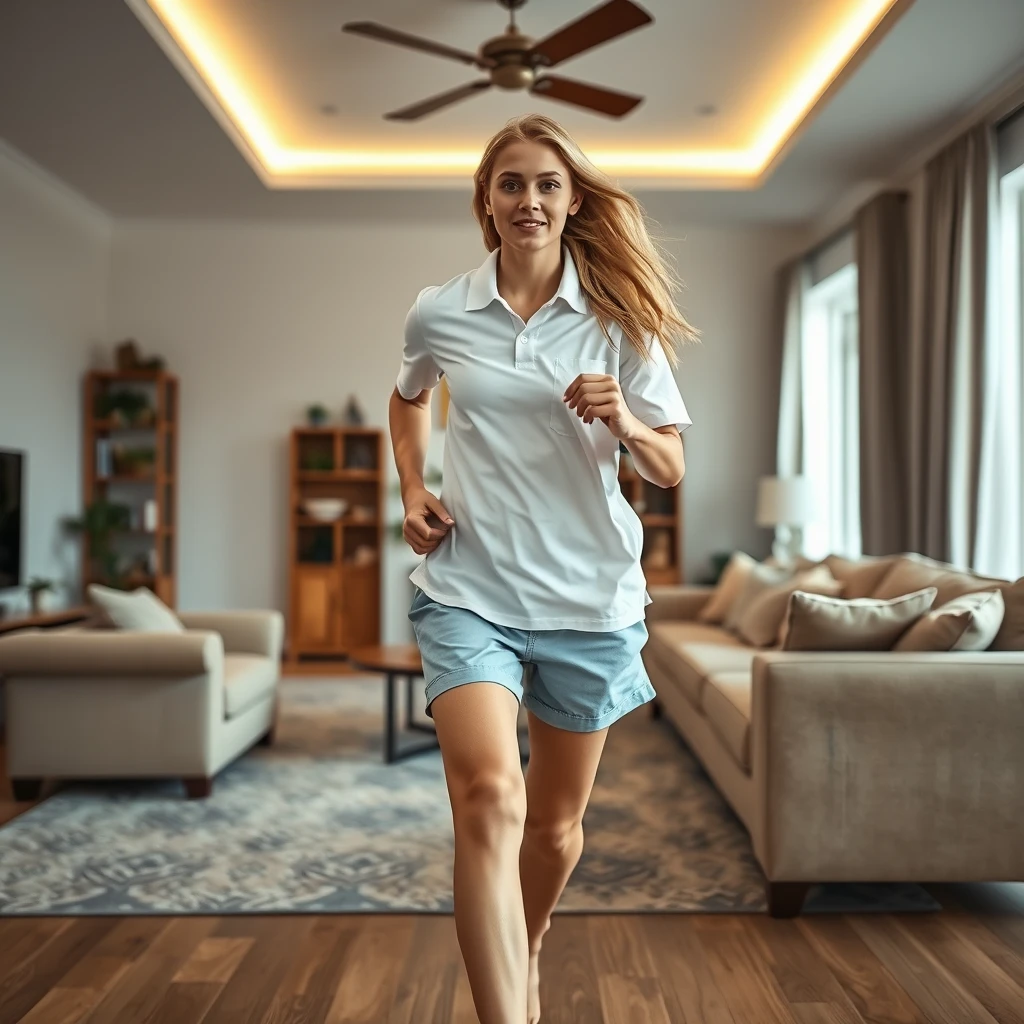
x: 785, y: 899
x: 26, y: 789
x: 198, y: 787
x: 656, y: 711
x: 267, y: 739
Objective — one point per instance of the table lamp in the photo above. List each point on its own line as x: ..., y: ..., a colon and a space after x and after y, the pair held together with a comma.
x: 785, y: 503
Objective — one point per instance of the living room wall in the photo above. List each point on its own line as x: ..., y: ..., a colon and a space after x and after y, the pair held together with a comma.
x: 259, y: 320
x: 54, y: 260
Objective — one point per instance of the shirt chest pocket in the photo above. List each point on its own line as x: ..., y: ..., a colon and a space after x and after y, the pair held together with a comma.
x: 562, y: 419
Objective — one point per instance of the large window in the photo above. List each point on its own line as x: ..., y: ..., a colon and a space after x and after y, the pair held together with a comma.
x: 829, y: 387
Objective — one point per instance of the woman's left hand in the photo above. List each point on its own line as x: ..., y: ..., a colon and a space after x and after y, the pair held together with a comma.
x: 598, y: 396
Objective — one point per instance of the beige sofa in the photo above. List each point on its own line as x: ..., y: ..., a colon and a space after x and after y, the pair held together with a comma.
x: 87, y: 702
x: 856, y: 767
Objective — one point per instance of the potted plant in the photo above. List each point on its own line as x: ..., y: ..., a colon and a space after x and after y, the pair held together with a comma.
x: 99, y: 523
x: 37, y: 586
x: 125, y: 407
x: 317, y: 415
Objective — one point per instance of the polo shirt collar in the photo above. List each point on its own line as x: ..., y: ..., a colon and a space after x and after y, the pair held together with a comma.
x: 483, y: 283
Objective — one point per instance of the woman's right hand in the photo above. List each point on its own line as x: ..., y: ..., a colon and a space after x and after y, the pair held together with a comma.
x: 426, y: 523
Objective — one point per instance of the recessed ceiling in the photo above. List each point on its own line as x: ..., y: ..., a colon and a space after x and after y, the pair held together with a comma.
x: 304, y: 102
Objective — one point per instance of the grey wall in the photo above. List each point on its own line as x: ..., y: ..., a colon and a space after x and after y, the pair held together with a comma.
x: 54, y: 260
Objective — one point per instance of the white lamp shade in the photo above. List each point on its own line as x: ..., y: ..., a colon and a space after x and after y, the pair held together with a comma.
x: 784, y: 501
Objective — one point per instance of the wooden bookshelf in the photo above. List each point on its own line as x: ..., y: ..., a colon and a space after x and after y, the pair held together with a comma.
x: 662, y: 517
x: 335, y: 566
x: 149, y: 551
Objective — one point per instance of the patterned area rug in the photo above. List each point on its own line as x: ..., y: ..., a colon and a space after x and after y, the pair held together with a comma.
x: 320, y: 824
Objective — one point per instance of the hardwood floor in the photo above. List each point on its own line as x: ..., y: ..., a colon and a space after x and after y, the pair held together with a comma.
x: 964, y: 965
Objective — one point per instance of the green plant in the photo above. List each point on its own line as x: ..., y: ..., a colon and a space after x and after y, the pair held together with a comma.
x: 316, y: 414
x: 40, y: 584
x: 99, y: 523
x: 131, y: 404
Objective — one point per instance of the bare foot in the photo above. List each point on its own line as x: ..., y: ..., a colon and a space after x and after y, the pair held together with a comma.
x: 533, y: 991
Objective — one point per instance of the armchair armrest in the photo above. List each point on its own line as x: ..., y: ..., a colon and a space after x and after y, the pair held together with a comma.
x: 111, y: 652
x: 889, y: 766
x: 677, y: 600
x: 244, y: 632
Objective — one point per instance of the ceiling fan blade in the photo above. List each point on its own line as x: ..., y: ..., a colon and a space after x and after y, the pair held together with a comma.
x: 567, y: 90
x: 615, y: 18
x: 428, y: 106
x: 390, y: 35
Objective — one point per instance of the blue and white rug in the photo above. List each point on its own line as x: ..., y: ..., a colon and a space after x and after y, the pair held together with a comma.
x: 319, y: 824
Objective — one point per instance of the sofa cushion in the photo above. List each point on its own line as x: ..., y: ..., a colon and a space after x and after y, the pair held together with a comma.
x: 248, y: 680
x: 140, y: 610
x: 967, y: 623
x: 951, y: 583
x: 685, y: 651
x: 725, y: 700
x: 761, y: 621
x: 729, y: 585
x: 759, y: 579
x: 818, y: 623
x: 860, y: 576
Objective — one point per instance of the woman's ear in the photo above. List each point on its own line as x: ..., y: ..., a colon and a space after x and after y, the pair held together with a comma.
x: 577, y: 202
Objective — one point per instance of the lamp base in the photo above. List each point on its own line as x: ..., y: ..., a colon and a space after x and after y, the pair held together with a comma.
x: 788, y: 545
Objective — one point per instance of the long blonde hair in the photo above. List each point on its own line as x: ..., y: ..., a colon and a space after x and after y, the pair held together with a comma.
x: 620, y: 267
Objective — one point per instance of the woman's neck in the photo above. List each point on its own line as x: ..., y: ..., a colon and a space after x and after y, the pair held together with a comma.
x: 529, y: 277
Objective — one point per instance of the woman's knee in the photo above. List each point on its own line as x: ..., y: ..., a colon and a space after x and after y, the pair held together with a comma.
x: 554, y: 837
x: 490, y: 806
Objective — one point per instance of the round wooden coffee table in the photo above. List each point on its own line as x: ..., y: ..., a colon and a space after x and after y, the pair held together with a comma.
x: 396, y: 661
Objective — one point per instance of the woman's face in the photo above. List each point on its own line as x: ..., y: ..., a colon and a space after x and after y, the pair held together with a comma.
x: 531, y: 193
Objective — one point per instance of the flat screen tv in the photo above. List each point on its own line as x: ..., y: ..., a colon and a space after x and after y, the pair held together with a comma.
x: 12, y: 500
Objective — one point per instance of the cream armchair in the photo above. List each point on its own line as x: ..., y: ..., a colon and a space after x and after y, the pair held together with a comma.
x: 109, y: 703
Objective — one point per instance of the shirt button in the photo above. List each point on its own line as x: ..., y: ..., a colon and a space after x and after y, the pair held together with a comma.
x: 525, y: 338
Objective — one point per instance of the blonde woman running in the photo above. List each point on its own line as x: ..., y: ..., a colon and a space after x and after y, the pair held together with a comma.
x: 556, y: 349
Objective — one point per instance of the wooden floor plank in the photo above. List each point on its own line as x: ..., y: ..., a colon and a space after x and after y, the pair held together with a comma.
x: 370, y: 972
x: 568, y: 975
x: 745, y: 980
x: 32, y: 980
x: 691, y: 994
x: 633, y: 999
x: 871, y: 989
x: 967, y: 964
x: 942, y: 998
x: 426, y: 986
x: 143, y: 987
x: 272, y: 945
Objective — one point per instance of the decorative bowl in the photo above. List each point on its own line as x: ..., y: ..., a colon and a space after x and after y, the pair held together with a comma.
x: 325, y: 509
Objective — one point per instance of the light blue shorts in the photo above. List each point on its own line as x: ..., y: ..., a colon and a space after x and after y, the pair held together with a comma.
x: 570, y: 678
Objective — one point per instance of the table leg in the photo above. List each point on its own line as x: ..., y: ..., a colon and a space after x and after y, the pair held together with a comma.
x: 392, y: 751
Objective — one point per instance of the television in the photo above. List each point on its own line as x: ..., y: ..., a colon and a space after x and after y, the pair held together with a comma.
x: 12, y: 501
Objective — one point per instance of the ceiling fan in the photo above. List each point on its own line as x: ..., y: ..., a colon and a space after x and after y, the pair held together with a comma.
x: 513, y: 60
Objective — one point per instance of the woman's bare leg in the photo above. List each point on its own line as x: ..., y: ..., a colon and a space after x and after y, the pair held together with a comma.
x: 559, y: 779
x: 476, y: 728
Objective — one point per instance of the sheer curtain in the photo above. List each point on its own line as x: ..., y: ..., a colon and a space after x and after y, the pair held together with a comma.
x: 999, y: 539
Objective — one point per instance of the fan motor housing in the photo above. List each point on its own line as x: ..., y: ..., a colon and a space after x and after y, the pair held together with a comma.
x: 511, y: 70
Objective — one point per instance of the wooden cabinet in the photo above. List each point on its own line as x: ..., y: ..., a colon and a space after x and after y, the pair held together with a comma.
x: 335, y: 554
x: 661, y: 513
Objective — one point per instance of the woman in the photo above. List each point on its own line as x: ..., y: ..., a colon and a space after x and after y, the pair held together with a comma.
x: 556, y: 349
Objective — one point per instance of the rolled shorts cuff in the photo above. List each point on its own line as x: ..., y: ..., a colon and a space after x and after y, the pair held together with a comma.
x: 576, y: 723
x: 473, y: 674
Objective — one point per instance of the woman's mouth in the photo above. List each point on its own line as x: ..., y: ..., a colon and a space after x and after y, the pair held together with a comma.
x: 528, y: 225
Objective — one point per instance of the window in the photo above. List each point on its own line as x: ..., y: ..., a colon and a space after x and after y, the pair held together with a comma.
x: 830, y: 404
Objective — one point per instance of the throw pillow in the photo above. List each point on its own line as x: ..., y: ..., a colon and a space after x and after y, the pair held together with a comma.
x: 815, y: 622
x: 861, y: 575
x: 759, y: 579
x: 967, y: 623
x: 141, y: 610
x: 761, y: 620
x: 729, y: 585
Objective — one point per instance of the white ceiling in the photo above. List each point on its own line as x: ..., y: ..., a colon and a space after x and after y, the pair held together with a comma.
x: 87, y: 93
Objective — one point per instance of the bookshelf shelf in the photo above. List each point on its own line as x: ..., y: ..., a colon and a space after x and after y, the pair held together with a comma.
x: 662, y: 521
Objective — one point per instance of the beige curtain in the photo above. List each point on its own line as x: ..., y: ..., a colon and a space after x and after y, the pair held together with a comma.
x: 792, y: 282
x: 923, y: 362
x: 883, y: 284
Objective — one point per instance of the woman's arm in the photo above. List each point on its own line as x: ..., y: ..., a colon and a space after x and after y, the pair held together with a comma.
x: 409, y: 420
x: 657, y: 454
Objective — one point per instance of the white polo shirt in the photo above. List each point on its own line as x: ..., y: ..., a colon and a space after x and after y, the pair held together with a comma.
x: 543, y: 537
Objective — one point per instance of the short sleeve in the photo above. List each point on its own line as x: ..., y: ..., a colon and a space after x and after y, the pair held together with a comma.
x: 418, y: 370
x: 650, y: 388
